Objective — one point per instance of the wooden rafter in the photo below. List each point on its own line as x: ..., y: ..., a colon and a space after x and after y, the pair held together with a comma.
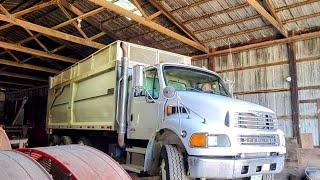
x: 238, y: 33
x: 255, y: 5
x: 51, y: 32
x: 29, y: 10
x: 218, y: 26
x: 35, y: 52
x: 84, y: 15
x: 197, y: 3
x: 136, y: 3
x: 91, y: 21
x: 173, y: 20
x: 271, y: 8
x: 230, y: 9
x: 123, y: 12
x: 301, y: 18
x: 22, y: 76
x: 154, y: 15
x: 15, y: 83
x: 28, y: 66
x: 65, y: 12
x: 297, y: 4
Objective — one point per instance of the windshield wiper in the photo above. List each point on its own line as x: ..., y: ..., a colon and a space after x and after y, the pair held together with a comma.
x: 194, y: 89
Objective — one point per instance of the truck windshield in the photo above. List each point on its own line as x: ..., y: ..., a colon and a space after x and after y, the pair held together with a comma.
x: 188, y: 79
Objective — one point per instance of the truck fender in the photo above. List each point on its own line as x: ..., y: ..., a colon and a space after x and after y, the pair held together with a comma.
x: 162, y: 137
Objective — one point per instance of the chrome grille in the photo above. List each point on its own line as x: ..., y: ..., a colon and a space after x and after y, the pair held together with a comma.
x: 270, y: 140
x: 256, y: 120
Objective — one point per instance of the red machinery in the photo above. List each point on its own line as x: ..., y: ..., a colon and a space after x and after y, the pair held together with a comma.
x: 57, y: 162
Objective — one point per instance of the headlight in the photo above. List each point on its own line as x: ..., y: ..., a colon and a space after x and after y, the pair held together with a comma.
x: 203, y: 140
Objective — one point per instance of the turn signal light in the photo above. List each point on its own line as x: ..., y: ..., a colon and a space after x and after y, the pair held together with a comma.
x: 169, y: 110
x: 198, y: 140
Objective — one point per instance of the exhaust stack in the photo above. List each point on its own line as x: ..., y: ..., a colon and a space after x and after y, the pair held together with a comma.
x: 122, y: 108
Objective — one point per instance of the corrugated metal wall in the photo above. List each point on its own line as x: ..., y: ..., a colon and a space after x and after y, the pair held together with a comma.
x: 259, y: 76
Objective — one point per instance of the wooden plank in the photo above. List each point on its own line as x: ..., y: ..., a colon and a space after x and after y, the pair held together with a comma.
x: 35, y: 52
x: 51, y: 32
x: 211, y: 60
x: 65, y: 12
x: 150, y: 24
x: 296, y: 4
x: 28, y: 66
x: 255, y: 4
x: 154, y: 15
x: 294, y: 90
x: 136, y: 3
x: 263, y: 44
x: 15, y: 83
x: 174, y: 20
x: 29, y: 10
x: 23, y: 76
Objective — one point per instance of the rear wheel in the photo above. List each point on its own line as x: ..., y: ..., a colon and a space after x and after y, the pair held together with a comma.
x: 65, y: 140
x: 84, y: 141
x: 54, y: 140
x: 172, y: 164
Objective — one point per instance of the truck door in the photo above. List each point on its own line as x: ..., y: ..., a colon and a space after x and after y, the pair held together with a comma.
x: 145, y: 105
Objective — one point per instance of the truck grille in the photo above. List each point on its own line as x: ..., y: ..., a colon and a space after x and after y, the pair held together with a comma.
x: 270, y: 140
x: 256, y: 120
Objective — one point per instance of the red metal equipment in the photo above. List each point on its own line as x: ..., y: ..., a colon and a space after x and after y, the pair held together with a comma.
x: 77, y: 162
x: 16, y: 165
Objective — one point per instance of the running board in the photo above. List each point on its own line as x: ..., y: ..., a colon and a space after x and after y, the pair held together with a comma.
x: 132, y: 168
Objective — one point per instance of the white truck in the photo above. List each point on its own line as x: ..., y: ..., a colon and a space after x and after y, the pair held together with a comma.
x: 180, y: 118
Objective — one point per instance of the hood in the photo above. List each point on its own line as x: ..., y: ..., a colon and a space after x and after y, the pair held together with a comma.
x: 215, y: 107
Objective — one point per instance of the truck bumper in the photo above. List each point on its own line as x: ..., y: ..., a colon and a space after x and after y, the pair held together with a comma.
x: 205, y: 167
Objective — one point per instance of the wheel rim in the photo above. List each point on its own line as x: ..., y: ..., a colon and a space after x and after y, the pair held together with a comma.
x: 163, y: 172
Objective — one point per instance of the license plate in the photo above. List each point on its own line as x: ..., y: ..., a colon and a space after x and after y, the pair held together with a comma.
x: 256, y: 177
x: 265, y: 167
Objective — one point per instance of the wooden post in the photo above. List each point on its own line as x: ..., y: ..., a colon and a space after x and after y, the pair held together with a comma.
x: 211, y: 61
x: 294, y: 91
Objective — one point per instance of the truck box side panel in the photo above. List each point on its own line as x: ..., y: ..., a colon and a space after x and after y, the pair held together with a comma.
x: 84, y: 95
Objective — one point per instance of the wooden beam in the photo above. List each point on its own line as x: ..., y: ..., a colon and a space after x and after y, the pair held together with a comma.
x: 301, y: 18
x: 4, y: 10
x: 18, y: 84
x: 29, y: 10
x: 84, y: 15
x: 28, y: 66
x: 65, y: 12
x: 271, y: 8
x: 154, y: 15
x: 297, y: 4
x: 51, y: 32
x: 136, y: 3
x: 218, y: 26
x: 255, y: 5
x: 196, y: 3
x: 294, y: 90
x: 35, y: 52
x: 174, y: 20
x: 238, y: 33
x: 226, y: 10
x: 123, y: 12
x: 269, y: 43
x: 91, y: 21
x: 22, y: 76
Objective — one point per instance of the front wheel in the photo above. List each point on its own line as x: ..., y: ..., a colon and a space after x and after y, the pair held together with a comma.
x: 172, y: 164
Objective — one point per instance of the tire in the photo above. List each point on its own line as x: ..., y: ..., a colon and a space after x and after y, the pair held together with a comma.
x: 65, y: 140
x: 84, y: 141
x: 54, y: 140
x: 172, y: 164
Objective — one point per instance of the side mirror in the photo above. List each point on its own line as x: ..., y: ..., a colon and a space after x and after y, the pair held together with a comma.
x: 137, y: 77
x: 169, y: 92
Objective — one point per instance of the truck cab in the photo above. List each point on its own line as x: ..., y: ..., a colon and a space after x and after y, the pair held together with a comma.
x: 196, y: 129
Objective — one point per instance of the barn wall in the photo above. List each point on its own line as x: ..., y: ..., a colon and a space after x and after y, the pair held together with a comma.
x: 259, y: 76
x: 35, y: 109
